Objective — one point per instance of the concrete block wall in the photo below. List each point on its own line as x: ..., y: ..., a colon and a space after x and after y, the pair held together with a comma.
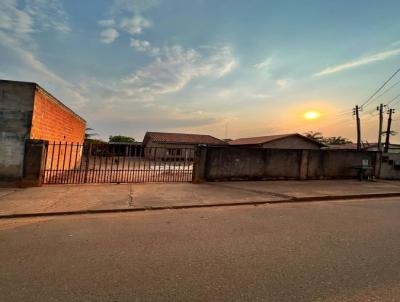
x: 16, y: 109
x: 390, y: 168
x: 224, y: 163
x: 27, y: 111
x: 338, y: 163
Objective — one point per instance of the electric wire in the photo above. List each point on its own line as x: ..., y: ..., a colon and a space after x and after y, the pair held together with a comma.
x: 380, y: 88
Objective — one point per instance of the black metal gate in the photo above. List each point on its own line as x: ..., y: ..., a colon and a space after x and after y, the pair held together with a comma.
x: 70, y: 163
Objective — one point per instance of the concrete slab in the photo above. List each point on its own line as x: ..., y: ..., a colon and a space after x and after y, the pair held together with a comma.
x: 65, y: 198
x: 155, y: 195
x: 80, y: 198
x: 314, y: 188
x: 7, y: 191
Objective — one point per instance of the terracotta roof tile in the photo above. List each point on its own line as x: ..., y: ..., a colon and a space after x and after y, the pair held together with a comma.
x: 265, y: 139
x: 183, y: 138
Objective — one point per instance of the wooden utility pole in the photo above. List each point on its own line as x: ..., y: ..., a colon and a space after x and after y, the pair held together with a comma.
x: 389, y: 124
x: 356, y: 113
x: 380, y: 109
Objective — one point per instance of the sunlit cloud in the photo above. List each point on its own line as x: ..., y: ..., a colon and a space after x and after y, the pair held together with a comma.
x: 281, y: 83
x: 176, y: 67
x: 359, y: 62
x: 264, y: 64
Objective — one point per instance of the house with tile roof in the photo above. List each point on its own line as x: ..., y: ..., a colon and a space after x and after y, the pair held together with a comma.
x: 283, y: 141
x: 176, y: 146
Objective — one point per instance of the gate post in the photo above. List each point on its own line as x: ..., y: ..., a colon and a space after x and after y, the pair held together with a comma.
x: 34, y: 163
x: 303, y: 173
x: 378, y: 164
x: 89, y: 153
x: 199, y: 164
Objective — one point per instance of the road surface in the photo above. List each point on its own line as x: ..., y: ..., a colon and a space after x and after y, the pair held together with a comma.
x: 321, y: 251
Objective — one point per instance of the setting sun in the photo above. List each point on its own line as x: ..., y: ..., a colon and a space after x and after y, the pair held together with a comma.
x: 311, y: 115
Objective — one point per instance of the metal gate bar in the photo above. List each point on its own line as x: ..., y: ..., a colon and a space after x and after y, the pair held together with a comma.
x: 74, y: 163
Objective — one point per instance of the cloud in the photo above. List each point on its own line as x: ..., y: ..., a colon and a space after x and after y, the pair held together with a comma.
x: 26, y: 67
x: 134, y: 25
x: 177, y: 66
x: 359, y: 62
x: 264, y: 64
x: 107, y: 22
x: 108, y: 35
x: 21, y: 20
x: 142, y: 98
x: 144, y: 46
x: 133, y: 6
x: 281, y: 83
x: 14, y: 20
x: 140, y: 44
x: 49, y: 14
x: 126, y: 16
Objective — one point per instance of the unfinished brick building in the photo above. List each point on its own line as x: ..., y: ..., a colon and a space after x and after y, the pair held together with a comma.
x: 27, y: 111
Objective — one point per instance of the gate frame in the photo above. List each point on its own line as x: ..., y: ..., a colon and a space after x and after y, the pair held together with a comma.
x: 34, y: 163
x: 149, y: 164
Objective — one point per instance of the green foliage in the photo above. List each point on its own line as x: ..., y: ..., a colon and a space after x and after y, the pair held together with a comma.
x: 336, y: 140
x: 89, y: 137
x: 89, y: 134
x: 317, y: 136
x: 332, y: 140
x: 120, y: 139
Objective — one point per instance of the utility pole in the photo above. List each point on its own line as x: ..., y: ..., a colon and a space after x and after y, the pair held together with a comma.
x: 380, y: 109
x: 389, y: 124
x: 356, y: 113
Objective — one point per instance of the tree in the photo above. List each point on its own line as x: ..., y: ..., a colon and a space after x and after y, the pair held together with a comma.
x: 336, y: 140
x: 317, y: 136
x: 121, y: 139
x: 332, y: 140
x: 89, y: 136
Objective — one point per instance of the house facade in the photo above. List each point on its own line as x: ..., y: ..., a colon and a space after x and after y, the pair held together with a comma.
x: 365, y: 146
x: 27, y: 111
x: 176, y: 146
x: 284, y: 141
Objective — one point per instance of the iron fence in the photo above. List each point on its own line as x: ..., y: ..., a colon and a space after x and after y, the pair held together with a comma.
x: 74, y: 163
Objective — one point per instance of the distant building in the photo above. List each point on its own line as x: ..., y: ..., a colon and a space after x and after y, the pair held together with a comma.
x: 365, y: 146
x: 132, y: 149
x: 283, y: 141
x: 27, y: 111
x: 177, y: 146
x: 353, y: 146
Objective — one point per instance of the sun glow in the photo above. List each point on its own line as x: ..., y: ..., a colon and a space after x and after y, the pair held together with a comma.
x: 311, y: 115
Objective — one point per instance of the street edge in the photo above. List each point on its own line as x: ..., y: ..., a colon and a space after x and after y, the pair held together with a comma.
x: 211, y: 205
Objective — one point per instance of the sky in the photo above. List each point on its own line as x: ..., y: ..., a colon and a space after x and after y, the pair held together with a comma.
x: 227, y: 68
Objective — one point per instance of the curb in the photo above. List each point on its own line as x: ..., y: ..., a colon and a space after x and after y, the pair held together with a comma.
x: 211, y: 205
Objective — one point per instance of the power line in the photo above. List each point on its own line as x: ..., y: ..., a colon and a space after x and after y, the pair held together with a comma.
x: 390, y: 102
x: 387, y: 90
x: 380, y: 88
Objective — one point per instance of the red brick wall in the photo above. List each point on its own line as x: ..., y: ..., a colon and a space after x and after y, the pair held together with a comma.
x: 54, y: 122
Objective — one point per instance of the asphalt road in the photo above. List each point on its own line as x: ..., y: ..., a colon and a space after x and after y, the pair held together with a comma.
x: 327, y: 251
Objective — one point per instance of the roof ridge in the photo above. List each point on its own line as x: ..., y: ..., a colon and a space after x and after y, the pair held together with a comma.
x: 179, y: 133
x: 286, y: 134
